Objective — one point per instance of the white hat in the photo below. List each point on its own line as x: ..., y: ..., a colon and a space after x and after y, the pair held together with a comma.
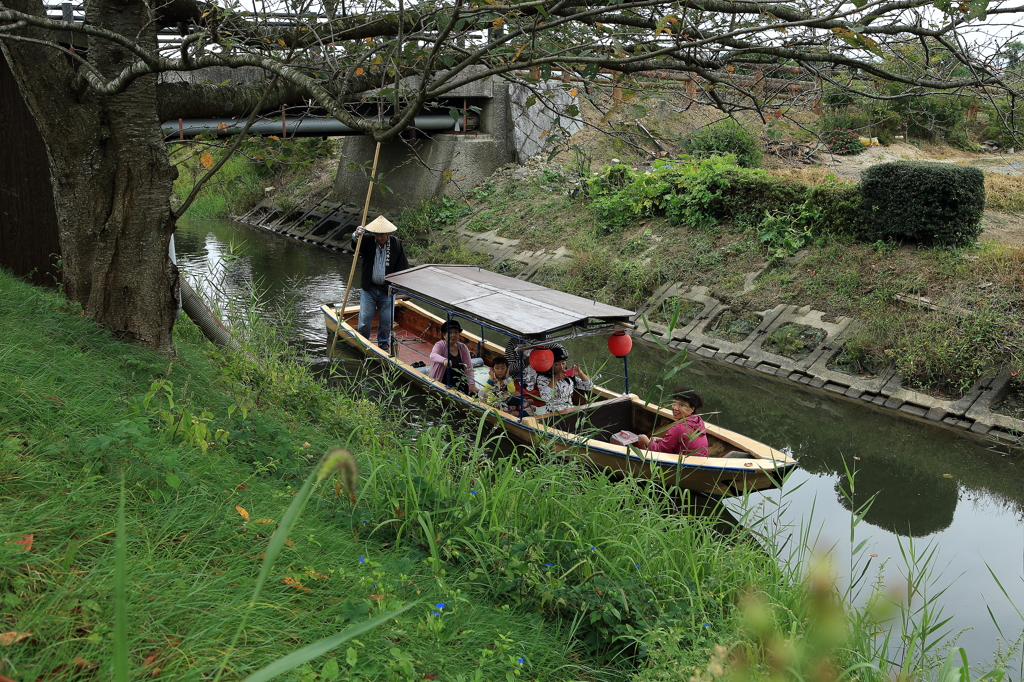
x: 380, y: 225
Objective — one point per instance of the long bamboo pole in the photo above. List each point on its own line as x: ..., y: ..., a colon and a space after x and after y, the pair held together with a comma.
x: 355, y: 255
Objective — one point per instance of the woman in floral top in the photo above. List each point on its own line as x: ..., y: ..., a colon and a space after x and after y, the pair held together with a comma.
x: 556, y: 387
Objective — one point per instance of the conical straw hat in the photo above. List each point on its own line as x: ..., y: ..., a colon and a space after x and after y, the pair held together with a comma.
x: 380, y: 225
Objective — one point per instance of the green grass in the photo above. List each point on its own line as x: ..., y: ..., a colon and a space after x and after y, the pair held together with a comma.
x: 73, y: 422
x: 519, y: 567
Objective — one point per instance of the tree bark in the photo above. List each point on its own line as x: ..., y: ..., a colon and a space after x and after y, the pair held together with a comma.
x: 111, y: 174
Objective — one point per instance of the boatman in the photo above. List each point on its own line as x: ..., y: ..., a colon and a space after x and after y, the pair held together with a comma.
x: 382, y: 255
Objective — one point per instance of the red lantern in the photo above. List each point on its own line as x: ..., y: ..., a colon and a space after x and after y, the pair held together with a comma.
x: 541, y: 359
x: 620, y: 343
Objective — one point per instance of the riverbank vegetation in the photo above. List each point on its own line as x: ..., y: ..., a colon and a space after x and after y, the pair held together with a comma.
x: 518, y: 567
x: 713, y: 223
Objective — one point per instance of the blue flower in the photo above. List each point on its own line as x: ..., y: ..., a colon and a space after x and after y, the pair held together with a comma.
x: 549, y: 565
x: 434, y: 613
x: 593, y: 549
x: 362, y: 560
x: 637, y: 565
x: 707, y: 625
x: 472, y: 492
x: 440, y: 605
x: 520, y: 660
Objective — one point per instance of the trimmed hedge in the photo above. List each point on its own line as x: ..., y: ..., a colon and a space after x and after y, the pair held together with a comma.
x: 932, y: 203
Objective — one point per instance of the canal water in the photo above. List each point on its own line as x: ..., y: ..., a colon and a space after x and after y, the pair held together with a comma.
x: 934, y: 492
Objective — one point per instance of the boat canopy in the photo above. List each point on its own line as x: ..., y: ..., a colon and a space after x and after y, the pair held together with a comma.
x: 518, y: 308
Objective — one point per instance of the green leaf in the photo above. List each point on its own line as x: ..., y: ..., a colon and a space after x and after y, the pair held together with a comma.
x: 351, y: 657
x: 330, y: 671
x: 121, y: 595
x: 294, y: 660
x: 173, y: 481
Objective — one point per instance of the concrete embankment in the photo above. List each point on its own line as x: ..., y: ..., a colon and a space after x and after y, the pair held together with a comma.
x: 816, y: 370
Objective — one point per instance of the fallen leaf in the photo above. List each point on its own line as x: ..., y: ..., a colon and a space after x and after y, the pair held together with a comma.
x: 9, y: 638
x: 265, y: 521
x: 4, y: 678
x: 26, y: 541
x: 857, y: 458
x: 359, y: 72
x: 874, y: 555
x: 377, y: 598
x: 206, y: 159
x: 241, y: 512
x: 80, y: 662
x: 947, y: 475
x: 242, y: 486
x: 289, y: 543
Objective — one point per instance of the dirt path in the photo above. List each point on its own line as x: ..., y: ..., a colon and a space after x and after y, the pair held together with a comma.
x: 850, y: 167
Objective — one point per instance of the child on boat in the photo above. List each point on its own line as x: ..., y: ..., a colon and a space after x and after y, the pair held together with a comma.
x: 556, y: 386
x: 500, y: 389
x: 688, y: 436
x: 450, y: 360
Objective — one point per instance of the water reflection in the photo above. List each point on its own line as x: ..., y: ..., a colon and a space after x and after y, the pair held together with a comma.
x: 966, y: 499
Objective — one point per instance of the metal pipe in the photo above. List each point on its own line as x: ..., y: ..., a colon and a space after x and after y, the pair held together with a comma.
x: 625, y: 366
x: 204, y: 317
x: 308, y: 126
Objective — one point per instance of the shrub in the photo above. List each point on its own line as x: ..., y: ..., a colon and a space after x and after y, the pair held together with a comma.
x: 842, y: 142
x: 726, y: 137
x: 926, y: 202
x: 838, y: 208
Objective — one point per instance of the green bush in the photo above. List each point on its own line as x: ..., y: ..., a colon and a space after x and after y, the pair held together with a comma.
x: 726, y: 137
x: 715, y: 190
x: 931, y: 203
x: 838, y: 208
x: 842, y: 142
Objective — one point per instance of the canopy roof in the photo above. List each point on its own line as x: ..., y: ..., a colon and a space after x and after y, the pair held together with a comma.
x: 512, y: 305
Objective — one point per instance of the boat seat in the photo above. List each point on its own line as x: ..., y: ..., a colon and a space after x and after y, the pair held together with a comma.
x: 598, y: 420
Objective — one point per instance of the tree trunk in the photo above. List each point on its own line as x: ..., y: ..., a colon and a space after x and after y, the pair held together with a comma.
x: 111, y: 176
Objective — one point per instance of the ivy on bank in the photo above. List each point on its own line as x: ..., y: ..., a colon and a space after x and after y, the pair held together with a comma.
x: 788, y: 215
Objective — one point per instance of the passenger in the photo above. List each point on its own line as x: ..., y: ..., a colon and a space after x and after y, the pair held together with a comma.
x: 529, y: 374
x: 688, y: 436
x: 451, y: 362
x: 556, y: 386
x: 500, y: 389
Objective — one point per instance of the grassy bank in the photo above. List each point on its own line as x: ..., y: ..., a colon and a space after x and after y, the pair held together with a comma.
x: 290, y: 171
x: 625, y: 245
x: 515, y: 569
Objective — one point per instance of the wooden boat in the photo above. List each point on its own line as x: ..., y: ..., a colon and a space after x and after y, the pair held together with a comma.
x: 535, y: 314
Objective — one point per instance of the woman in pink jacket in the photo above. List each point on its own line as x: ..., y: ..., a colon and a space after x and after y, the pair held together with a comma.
x: 450, y: 360
x: 688, y: 436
